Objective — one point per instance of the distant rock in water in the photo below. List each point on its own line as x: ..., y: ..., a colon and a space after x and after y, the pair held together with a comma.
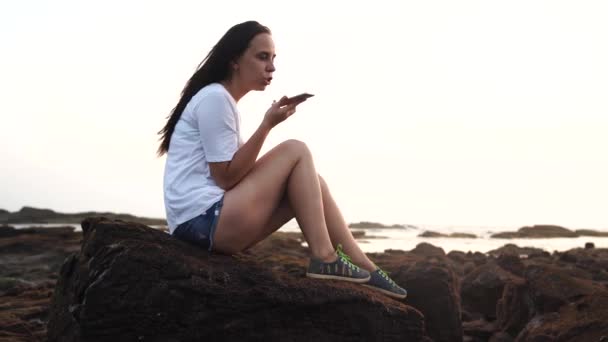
x: 36, y: 215
x: 367, y: 224
x: 541, y: 231
x: 432, y: 234
x: 133, y: 283
x: 590, y: 232
x: 547, y: 231
x: 3, y: 215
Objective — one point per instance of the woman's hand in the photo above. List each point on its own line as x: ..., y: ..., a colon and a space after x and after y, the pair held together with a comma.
x: 279, y: 111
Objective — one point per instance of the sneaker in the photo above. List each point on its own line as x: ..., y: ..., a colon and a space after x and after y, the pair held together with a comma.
x: 380, y: 281
x: 341, y: 269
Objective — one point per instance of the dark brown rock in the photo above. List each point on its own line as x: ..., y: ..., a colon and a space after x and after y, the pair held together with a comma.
x: 458, y: 256
x: 594, y: 261
x: 539, y: 231
x: 477, y: 258
x: 432, y: 234
x: 29, y: 261
x: 590, y: 232
x: 432, y: 285
x: 479, y: 330
x: 515, y: 308
x: 434, y: 290
x: 468, y: 267
x: 552, y: 287
x: 131, y: 282
x: 581, y: 321
x: 512, y: 249
x: 501, y: 336
x: 483, y: 287
x: 427, y: 250
x: 511, y: 263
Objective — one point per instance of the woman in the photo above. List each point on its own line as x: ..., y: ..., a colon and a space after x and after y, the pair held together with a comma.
x: 221, y: 197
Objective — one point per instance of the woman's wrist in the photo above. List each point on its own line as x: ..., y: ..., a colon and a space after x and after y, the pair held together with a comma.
x: 265, y: 127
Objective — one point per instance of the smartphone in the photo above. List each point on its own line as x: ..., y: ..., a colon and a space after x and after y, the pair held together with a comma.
x: 298, y: 98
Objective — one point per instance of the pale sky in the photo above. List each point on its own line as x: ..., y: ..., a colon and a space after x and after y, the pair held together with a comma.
x: 426, y: 112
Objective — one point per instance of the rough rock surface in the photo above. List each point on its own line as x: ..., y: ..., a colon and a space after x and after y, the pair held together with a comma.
x: 131, y: 282
x: 433, y: 288
x: 583, y: 320
x: 30, y: 260
x: 484, y: 286
x: 557, y: 297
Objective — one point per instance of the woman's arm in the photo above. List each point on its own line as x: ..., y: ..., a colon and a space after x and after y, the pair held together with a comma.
x: 228, y: 174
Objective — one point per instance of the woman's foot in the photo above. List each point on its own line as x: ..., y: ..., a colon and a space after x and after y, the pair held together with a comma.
x: 340, y: 269
x: 380, y: 281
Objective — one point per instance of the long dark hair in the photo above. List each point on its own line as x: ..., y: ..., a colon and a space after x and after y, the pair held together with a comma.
x: 214, y: 68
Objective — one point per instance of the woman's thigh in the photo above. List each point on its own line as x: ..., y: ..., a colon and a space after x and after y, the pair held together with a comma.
x: 250, y: 205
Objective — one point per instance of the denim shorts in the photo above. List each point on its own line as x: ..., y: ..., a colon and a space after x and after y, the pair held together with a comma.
x: 201, y: 229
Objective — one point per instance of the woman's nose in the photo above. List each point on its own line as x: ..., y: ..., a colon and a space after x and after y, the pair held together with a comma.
x: 271, y: 67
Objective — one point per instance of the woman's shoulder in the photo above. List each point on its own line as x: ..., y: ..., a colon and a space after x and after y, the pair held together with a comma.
x: 213, y: 92
x: 212, y: 97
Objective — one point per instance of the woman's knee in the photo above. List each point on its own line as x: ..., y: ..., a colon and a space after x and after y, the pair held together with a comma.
x: 322, y: 182
x: 295, y: 146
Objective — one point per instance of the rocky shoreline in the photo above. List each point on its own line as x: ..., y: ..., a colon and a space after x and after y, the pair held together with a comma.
x: 131, y: 282
x: 37, y: 215
x: 533, y: 232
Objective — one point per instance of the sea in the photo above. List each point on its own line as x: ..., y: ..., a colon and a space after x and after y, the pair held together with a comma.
x: 379, y: 239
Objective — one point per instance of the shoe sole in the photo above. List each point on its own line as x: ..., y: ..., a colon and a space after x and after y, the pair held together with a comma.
x: 333, y: 277
x: 388, y: 293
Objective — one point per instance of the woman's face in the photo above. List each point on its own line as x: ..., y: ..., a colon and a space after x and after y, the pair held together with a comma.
x: 255, y: 67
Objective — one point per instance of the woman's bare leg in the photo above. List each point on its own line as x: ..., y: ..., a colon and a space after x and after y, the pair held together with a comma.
x: 339, y: 231
x: 286, y: 169
x: 336, y: 225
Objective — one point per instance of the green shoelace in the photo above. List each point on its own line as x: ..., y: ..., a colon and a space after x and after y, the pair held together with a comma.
x: 385, y: 276
x: 346, y: 259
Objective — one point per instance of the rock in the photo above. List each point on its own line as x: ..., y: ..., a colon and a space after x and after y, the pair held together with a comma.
x: 131, y: 282
x: 458, y: 256
x: 37, y: 215
x: 501, y: 336
x: 540, y: 231
x: 483, y: 287
x: 432, y: 285
x: 478, y: 258
x: 479, y: 330
x: 463, y: 235
x: 432, y: 234
x: 552, y: 287
x: 23, y: 313
x: 589, y: 245
x: 512, y: 249
x: 8, y: 231
x: 374, y: 225
x: 594, y: 261
x: 511, y: 263
x: 428, y: 250
x: 583, y: 320
x: 468, y: 267
x: 434, y: 290
x: 590, y: 232
x: 30, y: 259
x: 515, y: 308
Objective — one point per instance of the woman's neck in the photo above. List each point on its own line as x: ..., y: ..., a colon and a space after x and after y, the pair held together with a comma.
x: 235, y: 89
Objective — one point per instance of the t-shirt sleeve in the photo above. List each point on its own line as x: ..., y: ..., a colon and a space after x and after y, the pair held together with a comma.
x: 217, y: 127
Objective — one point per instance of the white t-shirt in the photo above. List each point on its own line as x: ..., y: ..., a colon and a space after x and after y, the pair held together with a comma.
x: 207, y: 131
